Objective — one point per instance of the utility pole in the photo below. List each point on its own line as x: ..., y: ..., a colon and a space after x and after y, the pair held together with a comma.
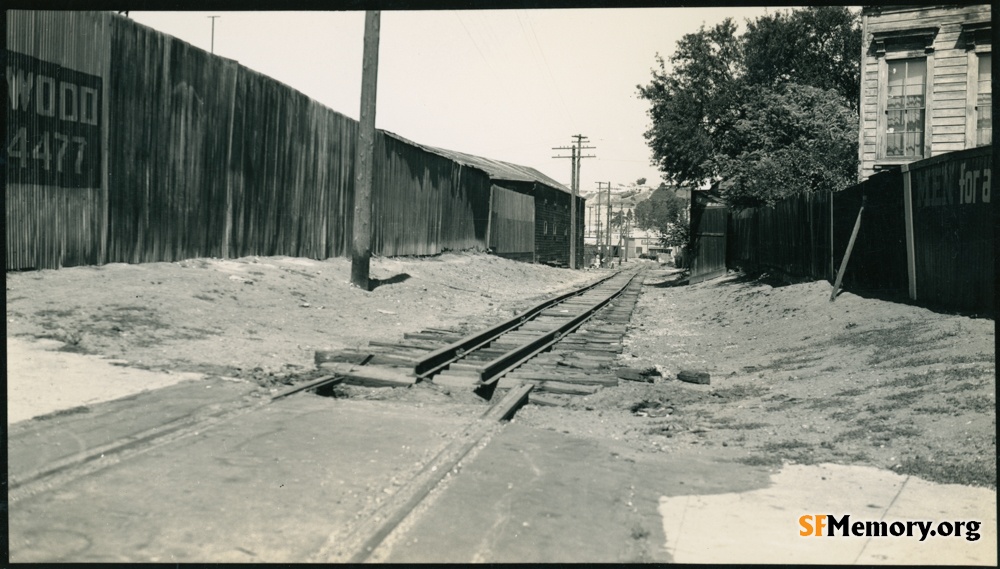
x: 601, y: 234
x: 577, y: 154
x: 599, y: 241
x: 213, y: 18
x: 623, y: 243
x: 361, y: 250
x: 607, y: 235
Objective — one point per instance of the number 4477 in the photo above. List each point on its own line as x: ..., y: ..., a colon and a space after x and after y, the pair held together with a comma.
x: 44, y: 151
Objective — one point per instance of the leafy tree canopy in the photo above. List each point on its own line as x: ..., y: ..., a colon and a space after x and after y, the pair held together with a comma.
x: 665, y: 213
x: 773, y: 111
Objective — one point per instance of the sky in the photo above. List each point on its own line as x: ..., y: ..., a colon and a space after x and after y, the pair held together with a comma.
x: 504, y: 84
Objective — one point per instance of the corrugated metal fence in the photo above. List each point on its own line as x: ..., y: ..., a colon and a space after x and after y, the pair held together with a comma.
x: 132, y: 146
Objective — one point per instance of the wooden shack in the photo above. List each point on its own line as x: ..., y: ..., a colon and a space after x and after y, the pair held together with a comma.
x: 926, y: 83
x: 529, y: 212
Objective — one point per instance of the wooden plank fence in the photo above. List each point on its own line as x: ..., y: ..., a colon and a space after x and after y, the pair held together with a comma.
x: 55, y: 138
x: 792, y: 237
x: 186, y: 154
x: 927, y: 233
x: 950, y: 222
x: 709, y: 226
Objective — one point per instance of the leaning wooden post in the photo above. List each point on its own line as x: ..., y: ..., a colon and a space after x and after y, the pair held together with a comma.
x: 847, y: 254
x: 364, y: 157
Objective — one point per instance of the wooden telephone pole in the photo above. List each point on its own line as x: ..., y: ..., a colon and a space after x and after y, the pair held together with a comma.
x: 607, y: 234
x: 361, y: 249
x: 577, y: 154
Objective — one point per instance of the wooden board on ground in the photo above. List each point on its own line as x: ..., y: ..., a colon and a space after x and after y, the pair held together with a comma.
x: 568, y: 388
x: 370, y: 376
x: 691, y: 376
x: 581, y: 379
x: 360, y: 357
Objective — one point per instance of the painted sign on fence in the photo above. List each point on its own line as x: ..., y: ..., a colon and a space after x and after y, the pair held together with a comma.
x: 53, y: 134
x: 954, y: 182
x: 950, y: 230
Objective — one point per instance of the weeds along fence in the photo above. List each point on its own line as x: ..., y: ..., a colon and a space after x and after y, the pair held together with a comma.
x: 926, y: 233
x: 128, y: 145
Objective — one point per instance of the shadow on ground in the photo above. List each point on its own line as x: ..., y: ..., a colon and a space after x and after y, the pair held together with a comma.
x: 374, y: 283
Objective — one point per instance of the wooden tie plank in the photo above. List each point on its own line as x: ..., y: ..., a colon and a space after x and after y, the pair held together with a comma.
x: 359, y: 357
x: 370, y: 376
x: 595, y: 379
x: 414, y: 345
x: 568, y: 388
x: 443, y: 338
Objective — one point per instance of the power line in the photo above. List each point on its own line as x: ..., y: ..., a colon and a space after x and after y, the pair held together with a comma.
x: 552, y: 78
x: 474, y: 43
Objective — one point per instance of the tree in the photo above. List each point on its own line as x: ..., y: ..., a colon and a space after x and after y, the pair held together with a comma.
x: 820, y: 47
x: 788, y: 140
x: 620, y: 218
x: 761, y: 110
x: 640, y: 181
x: 665, y: 213
x: 689, y: 104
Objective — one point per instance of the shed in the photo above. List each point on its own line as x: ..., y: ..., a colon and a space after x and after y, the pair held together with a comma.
x: 529, y: 211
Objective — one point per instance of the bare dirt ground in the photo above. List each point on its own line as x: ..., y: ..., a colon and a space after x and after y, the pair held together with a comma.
x: 262, y: 319
x: 797, y: 378
x: 794, y: 377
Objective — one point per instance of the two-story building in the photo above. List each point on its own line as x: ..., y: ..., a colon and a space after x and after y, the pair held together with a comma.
x: 926, y: 83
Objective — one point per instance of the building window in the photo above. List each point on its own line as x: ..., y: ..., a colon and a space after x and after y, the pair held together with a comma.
x: 905, y: 108
x: 545, y: 228
x: 984, y: 102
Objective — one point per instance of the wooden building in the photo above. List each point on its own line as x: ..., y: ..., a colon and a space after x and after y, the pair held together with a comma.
x: 529, y: 212
x: 926, y: 83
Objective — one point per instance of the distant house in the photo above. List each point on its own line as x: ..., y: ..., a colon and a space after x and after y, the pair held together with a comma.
x: 926, y: 83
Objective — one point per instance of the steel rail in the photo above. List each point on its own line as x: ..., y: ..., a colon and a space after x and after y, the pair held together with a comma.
x: 492, y: 371
x: 442, y: 357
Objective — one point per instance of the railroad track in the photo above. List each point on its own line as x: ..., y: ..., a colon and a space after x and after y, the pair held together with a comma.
x: 566, y: 344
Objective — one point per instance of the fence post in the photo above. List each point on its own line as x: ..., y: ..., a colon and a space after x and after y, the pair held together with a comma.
x: 911, y: 255
x: 832, y: 250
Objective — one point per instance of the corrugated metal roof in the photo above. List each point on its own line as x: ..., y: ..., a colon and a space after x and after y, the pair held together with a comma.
x: 497, y: 169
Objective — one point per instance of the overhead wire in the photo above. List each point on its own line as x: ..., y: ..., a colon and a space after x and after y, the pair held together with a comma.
x: 565, y: 108
x: 475, y: 44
